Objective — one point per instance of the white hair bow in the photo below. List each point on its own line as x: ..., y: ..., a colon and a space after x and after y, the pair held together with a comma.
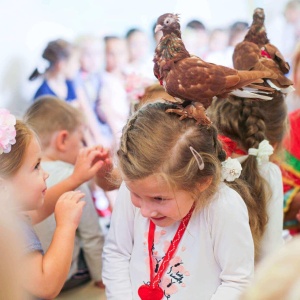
x: 263, y: 152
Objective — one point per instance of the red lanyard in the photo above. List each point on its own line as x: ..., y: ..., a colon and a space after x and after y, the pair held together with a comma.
x: 154, y: 280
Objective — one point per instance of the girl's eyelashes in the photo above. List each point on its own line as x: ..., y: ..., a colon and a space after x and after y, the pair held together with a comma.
x: 159, y: 198
x: 37, y: 166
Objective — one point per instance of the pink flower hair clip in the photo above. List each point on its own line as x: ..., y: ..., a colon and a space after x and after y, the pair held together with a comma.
x: 7, y: 130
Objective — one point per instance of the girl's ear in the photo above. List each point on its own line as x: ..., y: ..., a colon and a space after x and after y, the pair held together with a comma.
x: 204, y: 184
x: 61, y: 140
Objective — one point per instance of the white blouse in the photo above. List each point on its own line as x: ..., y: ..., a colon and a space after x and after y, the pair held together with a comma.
x: 214, y: 260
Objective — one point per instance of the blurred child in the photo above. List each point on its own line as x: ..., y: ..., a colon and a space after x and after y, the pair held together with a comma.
x: 88, y: 86
x: 114, y: 105
x: 91, y: 64
x: 237, y: 32
x: 23, y: 184
x: 140, y: 60
x: 62, y: 65
x: 61, y: 141
x: 217, y: 47
x: 278, y: 276
x: 59, y: 80
x: 195, y: 37
x: 285, y: 28
x: 173, y: 227
x: 293, y: 98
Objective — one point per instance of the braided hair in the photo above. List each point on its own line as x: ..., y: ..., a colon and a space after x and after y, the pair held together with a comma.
x: 243, y: 121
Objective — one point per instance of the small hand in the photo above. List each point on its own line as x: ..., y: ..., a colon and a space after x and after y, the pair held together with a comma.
x: 68, y: 209
x: 87, y: 164
x: 108, y: 177
x: 106, y: 158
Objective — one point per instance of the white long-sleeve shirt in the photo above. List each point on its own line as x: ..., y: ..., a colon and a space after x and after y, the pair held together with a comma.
x: 214, y: 260
x: 272, y: 238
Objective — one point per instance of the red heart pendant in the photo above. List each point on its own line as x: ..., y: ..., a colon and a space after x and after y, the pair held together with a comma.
x: 146, y: 292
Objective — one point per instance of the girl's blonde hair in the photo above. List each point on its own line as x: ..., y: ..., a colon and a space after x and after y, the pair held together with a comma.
x: 11, y: 162
x: 156, y: 142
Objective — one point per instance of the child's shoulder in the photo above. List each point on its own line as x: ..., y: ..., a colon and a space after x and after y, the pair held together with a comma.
x: 270, y: 171
x: 30, y: 239
x: 227, y: 198
x: 225, y: 207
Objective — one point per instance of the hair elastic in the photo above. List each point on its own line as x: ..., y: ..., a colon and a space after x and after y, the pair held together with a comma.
x: 197, y: 157
x: 263, y: 151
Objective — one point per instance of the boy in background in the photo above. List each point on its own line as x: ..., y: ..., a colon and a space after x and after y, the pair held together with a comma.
x: 60, y: 128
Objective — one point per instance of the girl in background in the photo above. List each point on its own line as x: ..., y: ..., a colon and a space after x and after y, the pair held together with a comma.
x: 114, y: 106
x: 63, y: 65
x: 59, y: 80
x: 246, y: 128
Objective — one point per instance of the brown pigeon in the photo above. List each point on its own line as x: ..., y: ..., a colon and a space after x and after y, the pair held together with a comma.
x: 188, y: 77
x: 256, y: 53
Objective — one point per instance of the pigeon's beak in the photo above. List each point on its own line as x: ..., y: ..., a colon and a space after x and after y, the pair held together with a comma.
x: 158, y: 28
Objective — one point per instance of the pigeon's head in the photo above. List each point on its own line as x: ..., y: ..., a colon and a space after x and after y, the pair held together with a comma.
x: 259, y: 16
x: 168, y: 23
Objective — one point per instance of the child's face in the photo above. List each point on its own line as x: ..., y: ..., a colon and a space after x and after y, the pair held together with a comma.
x: 91, y: 56
x: 138, y: 45
x: 157, y: 202
x: 72, y: 65
x: 28, y: 186
x: 116, y: 55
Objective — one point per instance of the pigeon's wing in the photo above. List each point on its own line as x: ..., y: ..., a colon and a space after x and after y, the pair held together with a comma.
x: 245, y: 56
x: 278, y: 58
x: 196, y: 80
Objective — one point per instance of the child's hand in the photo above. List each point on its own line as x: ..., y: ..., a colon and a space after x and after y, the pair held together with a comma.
x: 106, y: 158
x: 68, y: 209
x: 107, y: 177
x: 87, y: 165
x: 100, y: 284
